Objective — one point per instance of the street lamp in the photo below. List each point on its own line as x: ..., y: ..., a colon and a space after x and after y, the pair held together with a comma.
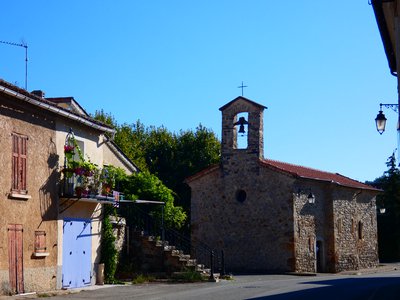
x: 311, y: 198
x: 380, y: 119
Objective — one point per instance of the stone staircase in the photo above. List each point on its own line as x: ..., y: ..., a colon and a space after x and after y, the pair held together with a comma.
x: 160, y: 256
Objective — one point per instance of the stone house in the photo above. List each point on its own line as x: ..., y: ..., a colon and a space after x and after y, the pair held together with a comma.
x: 48, y: 239
x: 270, y: 216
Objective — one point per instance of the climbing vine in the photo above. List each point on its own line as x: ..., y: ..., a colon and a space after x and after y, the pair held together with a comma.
x: 109, y: 254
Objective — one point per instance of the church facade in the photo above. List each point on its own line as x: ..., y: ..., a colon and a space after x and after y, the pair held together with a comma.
x: 270, y: 216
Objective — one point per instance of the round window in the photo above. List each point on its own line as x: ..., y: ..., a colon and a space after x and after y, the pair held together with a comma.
x: 241, y: 196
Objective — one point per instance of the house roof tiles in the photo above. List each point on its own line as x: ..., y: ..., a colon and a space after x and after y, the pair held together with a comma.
x: 314, y: 174
x: 16, y: 92
x: 297, y: 171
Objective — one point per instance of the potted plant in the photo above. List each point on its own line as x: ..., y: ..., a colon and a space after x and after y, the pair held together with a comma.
x: 79, y: 191
x: 69, y: 151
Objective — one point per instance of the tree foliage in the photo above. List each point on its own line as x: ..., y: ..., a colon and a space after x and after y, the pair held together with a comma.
x: 106, y: 118
x: 109, y: 254
x: 389, y: 222
x: 146, y: 186
x: 172, y: 157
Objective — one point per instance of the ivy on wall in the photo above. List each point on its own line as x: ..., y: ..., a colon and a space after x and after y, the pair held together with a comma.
x: 109, y: 254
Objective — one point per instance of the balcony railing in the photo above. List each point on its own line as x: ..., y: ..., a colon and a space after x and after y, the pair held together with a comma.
x: 79, y: 186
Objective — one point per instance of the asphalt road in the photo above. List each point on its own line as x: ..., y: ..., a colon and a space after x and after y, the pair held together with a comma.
x: 384, y: 286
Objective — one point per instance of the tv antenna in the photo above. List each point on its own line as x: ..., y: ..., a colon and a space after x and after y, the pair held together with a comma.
x: 24, y: 45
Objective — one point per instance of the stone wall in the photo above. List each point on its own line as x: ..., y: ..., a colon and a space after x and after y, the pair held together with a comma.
x: 256, y: 234
x: 40, y: 279
x: 255, y: 149
x: 313, y: 226
x: 261, y: 217
x: 333, y: 221
x: 355, y: 247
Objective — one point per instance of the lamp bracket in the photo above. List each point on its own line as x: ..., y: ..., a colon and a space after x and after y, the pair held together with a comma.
x: 394, y: 107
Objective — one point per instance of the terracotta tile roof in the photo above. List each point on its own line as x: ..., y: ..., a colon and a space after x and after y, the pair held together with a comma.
x: 20, y: 91
x: 314, y: 174
x: 297, y: 171
x: 202, y: 173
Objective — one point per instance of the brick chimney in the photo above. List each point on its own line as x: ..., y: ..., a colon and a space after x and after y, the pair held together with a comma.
x: 38, y: 93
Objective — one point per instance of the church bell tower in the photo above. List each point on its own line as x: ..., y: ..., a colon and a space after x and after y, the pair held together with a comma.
x: 242, y: 144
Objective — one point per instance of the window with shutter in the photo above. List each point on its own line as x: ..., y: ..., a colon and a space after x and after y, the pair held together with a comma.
x: 40, y: 241
x: 19, y: 151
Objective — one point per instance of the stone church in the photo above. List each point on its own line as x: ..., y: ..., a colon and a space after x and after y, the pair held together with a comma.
x: 271, y: 216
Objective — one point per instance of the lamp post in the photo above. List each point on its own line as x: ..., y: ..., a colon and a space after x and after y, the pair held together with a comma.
x: 380, y: 119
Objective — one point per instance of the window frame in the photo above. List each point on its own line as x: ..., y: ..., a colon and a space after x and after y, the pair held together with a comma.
x: 40, y: 241
x: 19, y: 158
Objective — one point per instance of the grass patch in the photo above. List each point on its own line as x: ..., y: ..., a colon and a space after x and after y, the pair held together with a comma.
x: 142, y: 279
x: 188, y: 276
x: 45, y: 295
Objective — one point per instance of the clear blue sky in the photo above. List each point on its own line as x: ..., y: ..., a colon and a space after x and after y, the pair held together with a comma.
x: 319, y: 67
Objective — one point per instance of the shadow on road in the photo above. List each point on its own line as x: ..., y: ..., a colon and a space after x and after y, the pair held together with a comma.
x: 387, y: 288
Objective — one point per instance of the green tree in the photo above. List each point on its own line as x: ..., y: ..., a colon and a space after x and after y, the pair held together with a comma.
x: 105, y: 118
x: 160, y: 154
x: 195, y: 151
x: 131, y: 139
x: 172, y: 157
x: 146, y: 186
x: 389, y: 222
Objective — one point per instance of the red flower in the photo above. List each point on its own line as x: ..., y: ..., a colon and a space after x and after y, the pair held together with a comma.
x: 68, y: 149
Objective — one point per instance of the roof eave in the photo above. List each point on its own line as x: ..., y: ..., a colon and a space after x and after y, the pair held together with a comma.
x: 388, y: 46
x: 117, y: 151
x: 245, y: 99
x: 341, y: 184
x: 296, y: 175
x: 204, y: 172
x: 55, y: 109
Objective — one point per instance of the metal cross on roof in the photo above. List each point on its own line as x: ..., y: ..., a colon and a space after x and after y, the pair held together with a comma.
x: 241, y: 87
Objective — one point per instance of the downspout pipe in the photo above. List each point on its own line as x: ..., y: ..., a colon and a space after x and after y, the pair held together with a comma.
x: 56, y: 110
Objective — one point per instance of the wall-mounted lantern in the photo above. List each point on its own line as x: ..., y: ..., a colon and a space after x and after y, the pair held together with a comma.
x: 380, y: 120
x: 311, y: 198
x: 310, y: 195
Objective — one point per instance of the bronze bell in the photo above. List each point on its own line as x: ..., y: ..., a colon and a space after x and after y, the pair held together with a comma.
x: 241, y: 129
x: 242, y: 121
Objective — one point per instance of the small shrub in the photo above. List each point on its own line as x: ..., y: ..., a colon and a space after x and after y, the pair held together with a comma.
x: 189, y: 276
x: 142, y: 279
x: 45, y: 295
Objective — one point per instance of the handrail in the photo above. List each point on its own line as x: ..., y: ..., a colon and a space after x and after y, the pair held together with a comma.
x: 205, y: 255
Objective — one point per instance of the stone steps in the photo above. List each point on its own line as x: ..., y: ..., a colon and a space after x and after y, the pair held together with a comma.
x: 174, y: 259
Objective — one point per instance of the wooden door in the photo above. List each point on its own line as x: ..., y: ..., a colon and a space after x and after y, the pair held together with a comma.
x: 77, y: 245
x: 320, y: 256
x: 15, y: 258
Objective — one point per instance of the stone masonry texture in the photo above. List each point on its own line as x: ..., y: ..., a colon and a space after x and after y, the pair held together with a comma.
x: 261, y: 216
